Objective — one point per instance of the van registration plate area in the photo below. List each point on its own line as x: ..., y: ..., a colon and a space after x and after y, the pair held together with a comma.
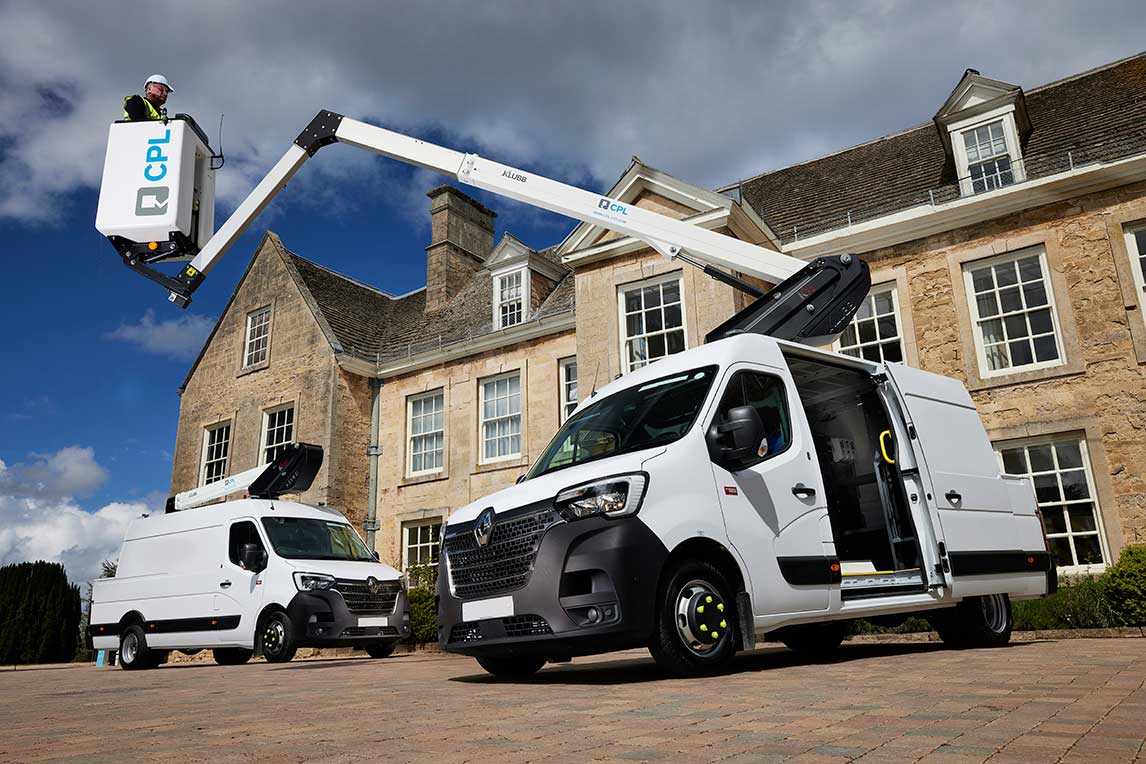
x: 379, y: 621
x: 479, y: 610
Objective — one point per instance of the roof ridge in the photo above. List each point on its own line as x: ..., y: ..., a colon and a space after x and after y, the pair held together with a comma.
x: 889, y: 136
x: 343, y: 276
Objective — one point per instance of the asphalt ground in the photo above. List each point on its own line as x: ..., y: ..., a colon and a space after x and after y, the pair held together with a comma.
x: 1070, y: 701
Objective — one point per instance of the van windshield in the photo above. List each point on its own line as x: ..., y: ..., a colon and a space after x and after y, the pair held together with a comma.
x: 305, y: 538
x: 644, y: 416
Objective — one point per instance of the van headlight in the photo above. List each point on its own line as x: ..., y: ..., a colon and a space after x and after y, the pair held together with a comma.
x: 309, y: 582
x: 617, y: 496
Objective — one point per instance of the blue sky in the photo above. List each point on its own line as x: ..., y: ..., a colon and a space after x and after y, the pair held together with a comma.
x: 91, y: 355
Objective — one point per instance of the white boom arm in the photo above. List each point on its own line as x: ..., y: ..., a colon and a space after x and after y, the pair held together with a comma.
x: 205, y: 494
x: 666, y: 235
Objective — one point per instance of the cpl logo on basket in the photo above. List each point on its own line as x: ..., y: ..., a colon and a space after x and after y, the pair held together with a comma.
x: 484, y: 528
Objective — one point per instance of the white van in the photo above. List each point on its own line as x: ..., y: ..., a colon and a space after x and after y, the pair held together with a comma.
x: 252, y: 575
x: 745, y: 488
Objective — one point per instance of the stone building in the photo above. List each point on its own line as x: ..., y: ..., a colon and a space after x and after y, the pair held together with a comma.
x: 1006, y: 239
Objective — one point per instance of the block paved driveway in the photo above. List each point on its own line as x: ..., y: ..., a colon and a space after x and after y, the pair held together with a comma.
x: 1076, y: 700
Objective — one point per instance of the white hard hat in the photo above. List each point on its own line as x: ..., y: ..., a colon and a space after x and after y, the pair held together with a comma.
x: 160, y: 79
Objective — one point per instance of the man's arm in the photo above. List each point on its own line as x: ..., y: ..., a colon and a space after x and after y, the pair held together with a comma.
x: 135, y: 108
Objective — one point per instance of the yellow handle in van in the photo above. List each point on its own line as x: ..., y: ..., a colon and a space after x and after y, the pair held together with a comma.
x: 883, y: 436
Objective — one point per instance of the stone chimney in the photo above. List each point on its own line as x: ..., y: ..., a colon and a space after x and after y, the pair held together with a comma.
x: 461, y: 237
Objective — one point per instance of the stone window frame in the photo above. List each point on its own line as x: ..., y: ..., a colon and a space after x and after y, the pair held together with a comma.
x: 897, y: 280
x: 1117, y: 224
x: 1087, y: 429
x: 524, y: 296
x: 565, y: 405
x: 424, y: 516
x: 514, y: 458
x: 410, y: 399
x: 229, y: 423
x: 622, y: 324
x: 1012, y: 258
x: 1064, y: 311
x: 269, y: 411
x: 247, y: 325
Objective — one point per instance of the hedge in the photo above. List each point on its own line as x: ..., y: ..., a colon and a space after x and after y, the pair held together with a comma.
x: 39, y: 614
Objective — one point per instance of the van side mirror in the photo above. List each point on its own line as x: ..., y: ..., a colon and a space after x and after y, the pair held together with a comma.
x: 734, y: 444
x: 253, y: 558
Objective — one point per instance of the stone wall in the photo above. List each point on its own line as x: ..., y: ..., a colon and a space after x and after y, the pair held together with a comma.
x: 463, y: 479
x: 1100, y: 392
x: 299, y: 369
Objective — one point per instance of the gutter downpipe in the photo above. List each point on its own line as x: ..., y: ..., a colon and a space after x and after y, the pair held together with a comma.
x: 373, y: 452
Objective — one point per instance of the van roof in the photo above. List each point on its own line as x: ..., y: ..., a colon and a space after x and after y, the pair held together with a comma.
x: 220, y: 514
x: 740, y: 347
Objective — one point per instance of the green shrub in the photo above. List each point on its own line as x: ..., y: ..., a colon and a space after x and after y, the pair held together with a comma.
x: 1126, y: 586
x: 1080, y: 603
x: 423, y: 615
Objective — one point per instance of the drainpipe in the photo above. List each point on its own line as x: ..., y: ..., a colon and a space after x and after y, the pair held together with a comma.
x: 373, y: 452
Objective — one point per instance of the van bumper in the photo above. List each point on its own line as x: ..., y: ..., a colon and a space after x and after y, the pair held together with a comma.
x: 321, y: 619
x: 596, y: 564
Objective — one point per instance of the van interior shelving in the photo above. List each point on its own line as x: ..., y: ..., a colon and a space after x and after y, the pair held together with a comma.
x: 871, y: 524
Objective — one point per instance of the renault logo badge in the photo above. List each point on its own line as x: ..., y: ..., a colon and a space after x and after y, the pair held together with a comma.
x: 484, y: 528
x: 373, y: 585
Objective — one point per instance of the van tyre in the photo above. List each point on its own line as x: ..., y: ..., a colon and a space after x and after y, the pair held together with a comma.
x: 511, y: 666
x: 133, y: 651
x: 276, y: 638
x: 815, y: 640
x: 695, y: 629
x: 976, y: 622
x: 232, y: 656
x: 381, y: 649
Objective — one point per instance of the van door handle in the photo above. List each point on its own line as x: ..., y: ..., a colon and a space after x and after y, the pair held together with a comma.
x: 953, y: 497
x: 801, y: 491
x: 224, y: 584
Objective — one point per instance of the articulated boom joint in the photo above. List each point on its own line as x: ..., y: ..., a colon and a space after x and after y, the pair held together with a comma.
x: 320, y: 132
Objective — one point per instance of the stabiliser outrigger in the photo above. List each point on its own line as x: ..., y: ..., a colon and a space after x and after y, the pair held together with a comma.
x: 812, y: 302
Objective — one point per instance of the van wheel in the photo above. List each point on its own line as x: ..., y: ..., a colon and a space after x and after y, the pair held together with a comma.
x: 133, y: 652
x: 511, y: 666
x: 976, y: 622
x: 816, y: 640
x: 695, y: 632
x: 277, y: 638
x: 381, y: 649
x: 231, y: 656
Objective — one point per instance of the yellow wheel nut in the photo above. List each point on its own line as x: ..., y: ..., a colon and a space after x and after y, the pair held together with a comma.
x: 723, y: 625
x: 703, y: 627
x: 720, y: 606
x: 708, y: 598
x: 700, y: 608
x: 715, y: 635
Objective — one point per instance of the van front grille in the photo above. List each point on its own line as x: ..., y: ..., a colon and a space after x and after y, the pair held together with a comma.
x: 504, y: 564
x: 359, y: 598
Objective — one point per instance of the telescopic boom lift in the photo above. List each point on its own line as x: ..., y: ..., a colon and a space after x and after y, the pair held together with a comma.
x: 812, y: 302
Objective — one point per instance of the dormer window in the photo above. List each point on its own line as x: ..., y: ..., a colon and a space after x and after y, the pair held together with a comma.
x: 988, y: 160
x: 509, y: 305
x: 982, y: 125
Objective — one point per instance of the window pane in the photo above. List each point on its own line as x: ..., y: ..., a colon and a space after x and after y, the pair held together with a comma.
x: 981, y: 279
x: 988, y: 305
x: 887, y: 327
x: 1041, y: 322
x: 653, y: 321
x: 1014, y: 461
x: 1045, y: 348
x: 1088, y: 549
x: 1041, y: 458
x: 892, y: 352
x: 1005, y: 274
x: 675, y: 341
x: 1016, y: 327
x: 992, y: 331
x: 1054, y: 521
x: 1035, y: 294
x: 1021, y: 353
x: 1060, y: 550
x: 871, y: 353
x: 1010, y: 300
x: 864, y: 311
x: 672, y: 316
x: 632, y: 301
x: 1030, y: 269
x: 1046, y: 488
x: 997, y: 357
x: 1069, y: 455
x: 883, y: 303
x: 671, y: 291
x: 652, y: 296
x: 1082, y: 518
x: 1074, y: 485
x: 866, y: 331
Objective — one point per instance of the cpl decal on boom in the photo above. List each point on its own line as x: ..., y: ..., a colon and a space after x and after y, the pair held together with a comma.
x: 514, y: 176
x: 152, y: 200
x: 611, y: 206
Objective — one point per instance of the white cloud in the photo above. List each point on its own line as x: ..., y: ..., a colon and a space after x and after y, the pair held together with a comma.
x: 711, y: 95
x: 179, y: 338
x: 71, y: 471
x: 41, y: 520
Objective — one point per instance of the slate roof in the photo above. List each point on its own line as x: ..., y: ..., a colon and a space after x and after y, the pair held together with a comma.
x: 373, y: 325
x: 1098, y: 116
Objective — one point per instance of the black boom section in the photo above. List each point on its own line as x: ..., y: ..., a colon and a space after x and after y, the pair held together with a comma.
x: 320, y: 132
x: 814, y: 304
x: 292, y: 471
